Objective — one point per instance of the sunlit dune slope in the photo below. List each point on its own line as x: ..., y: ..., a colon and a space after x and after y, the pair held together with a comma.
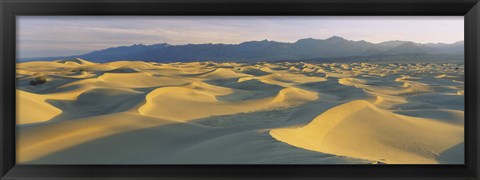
x: 222, y: 73
x: 198, y: 100
x: 359, y: 129
x: 45, y: 140
x: 135, y: 112
x: 75, y: 61
x: 32, y: 108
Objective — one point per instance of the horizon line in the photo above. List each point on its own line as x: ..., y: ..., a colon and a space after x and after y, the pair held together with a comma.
x: 271, y: 40
x: 219, y: 43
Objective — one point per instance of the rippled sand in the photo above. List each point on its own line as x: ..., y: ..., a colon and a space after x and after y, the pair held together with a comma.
x: 133, y: 112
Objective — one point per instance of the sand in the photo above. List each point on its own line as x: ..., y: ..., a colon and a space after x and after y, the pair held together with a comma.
x: 360, y: 129
x: 134, y: 112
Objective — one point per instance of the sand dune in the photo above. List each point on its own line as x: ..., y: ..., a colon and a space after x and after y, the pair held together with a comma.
x: 187, y: 103
x: 32, y: 108
x: 360, y: 129
x: 140, y: 80
x: 222, y: 73
x: 75, y: 61
x: 44, y: 140
x: 135, y: 112
x: 255, y: 71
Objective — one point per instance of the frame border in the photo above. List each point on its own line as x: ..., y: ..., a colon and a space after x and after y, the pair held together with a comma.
x: 9, y: 9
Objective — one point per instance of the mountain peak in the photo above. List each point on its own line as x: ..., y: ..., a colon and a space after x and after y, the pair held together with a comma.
x: 306, y: 40
x: 139, y: 44
x: 268, y: 50
x: 409, y: 43
x: 336, y: 38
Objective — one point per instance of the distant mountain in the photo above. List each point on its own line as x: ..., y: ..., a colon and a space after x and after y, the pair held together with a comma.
x: 334, y: 48
x: 407, y: 48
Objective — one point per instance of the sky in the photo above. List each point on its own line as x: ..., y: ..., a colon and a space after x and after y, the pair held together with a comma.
x: 46, y: 36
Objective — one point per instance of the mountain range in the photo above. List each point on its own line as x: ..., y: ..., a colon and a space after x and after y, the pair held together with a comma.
x: 332, y: 49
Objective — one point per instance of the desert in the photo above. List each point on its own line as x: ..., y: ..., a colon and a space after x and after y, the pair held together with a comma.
x: 75, y: 111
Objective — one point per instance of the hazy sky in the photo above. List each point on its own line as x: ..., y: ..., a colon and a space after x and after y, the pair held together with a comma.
x: 39, y: 36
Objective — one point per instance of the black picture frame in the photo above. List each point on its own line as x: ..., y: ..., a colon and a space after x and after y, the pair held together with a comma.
x: 9, y: 9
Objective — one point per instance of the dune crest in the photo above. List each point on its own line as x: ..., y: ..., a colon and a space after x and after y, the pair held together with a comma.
x: 135, y: 112
x: 32, y: 108
x: 294, y: 95
x: 222, y: 73
x: 360, y: 129
x: 186, y: 103
x: 75, y: 61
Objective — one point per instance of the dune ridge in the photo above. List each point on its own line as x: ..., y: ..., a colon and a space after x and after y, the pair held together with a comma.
x: 360, y: 129
x: 32, y: 108
x: 246, y: 113
x: 201, y: 101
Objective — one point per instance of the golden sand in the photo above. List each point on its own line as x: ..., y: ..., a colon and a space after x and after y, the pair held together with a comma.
x: 136, y: 112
